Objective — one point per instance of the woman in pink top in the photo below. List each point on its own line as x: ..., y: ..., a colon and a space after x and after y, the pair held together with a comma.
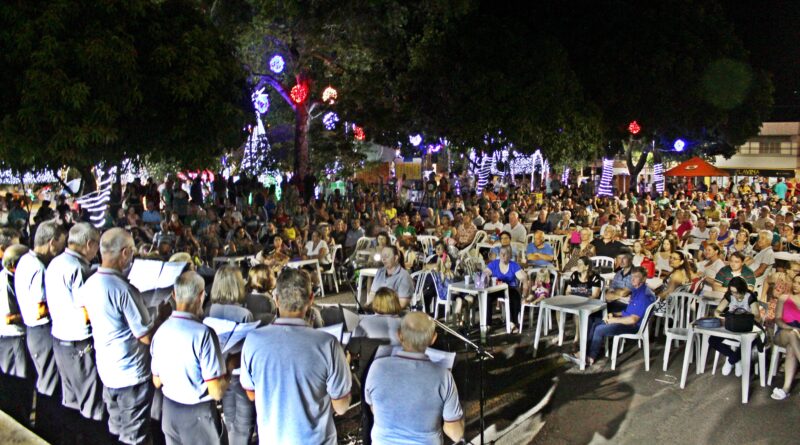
x: 787, y: 318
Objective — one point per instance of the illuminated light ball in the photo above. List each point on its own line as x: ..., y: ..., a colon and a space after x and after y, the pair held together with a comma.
x: 329, y: 120
x: 276, y: 64
x: 261, y: 102
x: 329, y: 95
x: 299, y: 93
x: 415, y: 139
x: 634, y: 127
x: 435, y: 148
x: 679, y: 145
x: 358, y: 132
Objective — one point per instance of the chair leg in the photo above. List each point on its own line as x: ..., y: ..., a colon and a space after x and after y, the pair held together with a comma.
x: 614, y: 346
x: 646, y: 351
x: 716, y: 358
x: 667, y: 347
x: 773, y: 364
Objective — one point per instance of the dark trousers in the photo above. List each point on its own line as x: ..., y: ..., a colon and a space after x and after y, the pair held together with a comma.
x: 191, y: 424
x: 129, y: 412
x: 599, y: 330
x: 515, y: 301
x: 240, y: 413
x: 80, y: 383
x: 734, y: 355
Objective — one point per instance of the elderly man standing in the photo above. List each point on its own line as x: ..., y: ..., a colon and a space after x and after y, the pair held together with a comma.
x: 121, y: 327
x: 72, y: 334
x: 290, y: 368
x: 187, y: 365
x: 30, y: 288
x: 413, y: 399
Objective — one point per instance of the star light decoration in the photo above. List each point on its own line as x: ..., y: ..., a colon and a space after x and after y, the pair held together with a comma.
x: 329, y: 120
x: 329, y: 95
x: 260, y: 101
x: 276, y: 64
x: 604, y: 188
x: 358, y: 133
x: 299, y: 93
x: 634, y: 128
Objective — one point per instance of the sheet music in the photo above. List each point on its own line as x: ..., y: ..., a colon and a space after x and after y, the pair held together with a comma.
x: 147, y: 275
x: 230, y: 333
x: 170, y: 273
x: 442, y: 358
x: 351, y: 319
x: 335, y: 329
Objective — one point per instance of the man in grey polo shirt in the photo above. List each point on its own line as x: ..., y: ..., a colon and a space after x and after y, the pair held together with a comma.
x: 393, y: 276
x: 297, y: 376
x: 187, y: 365
x: 29, y: 285
x: 72, y: 335
x: 121, y: 328
x: 413, y: 399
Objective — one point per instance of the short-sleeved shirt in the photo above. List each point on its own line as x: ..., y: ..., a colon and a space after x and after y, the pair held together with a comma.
x: 641, y: 298
x: 578, y: 287
x: 400, y: 231
x: 399, y: 281
x: 8, y: 305
x: 230, y: 312
x: 518, y: 233
x: 379, y: 326
x: 510, y: 277
x: 29, y: 286
x: 725, y: 275
x: 186, y: 356
x: 764, y: 256
x: 622, y: 280
x: 610, y: 250
x: 410, y: 396
x: 119, y: 318
x: 546, y: 249
x: 65, y: 275
x: 294, y: 371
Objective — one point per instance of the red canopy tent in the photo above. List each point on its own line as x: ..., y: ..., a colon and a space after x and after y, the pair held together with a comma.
x: 696, y: 167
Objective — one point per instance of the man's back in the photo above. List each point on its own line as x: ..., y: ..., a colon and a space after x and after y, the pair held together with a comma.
x: 410, y: 396
x: 294, y: 371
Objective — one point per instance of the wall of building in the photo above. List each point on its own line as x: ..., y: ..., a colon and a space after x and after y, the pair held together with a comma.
x: 777, y: 147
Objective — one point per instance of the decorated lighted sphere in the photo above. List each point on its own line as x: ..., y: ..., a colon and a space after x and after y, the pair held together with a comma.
x: 299, y: 93
x: 329, y: 120
x: 276, y: 64
x: 329, y: 95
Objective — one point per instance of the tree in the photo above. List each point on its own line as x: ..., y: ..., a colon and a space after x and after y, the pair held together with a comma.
x: 88, y: 82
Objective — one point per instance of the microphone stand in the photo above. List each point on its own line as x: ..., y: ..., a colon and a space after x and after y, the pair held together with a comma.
x: 482, y: 355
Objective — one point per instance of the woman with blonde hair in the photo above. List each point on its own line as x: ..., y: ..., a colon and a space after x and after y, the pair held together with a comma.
x: 385, y: 322
x: 260, y: 284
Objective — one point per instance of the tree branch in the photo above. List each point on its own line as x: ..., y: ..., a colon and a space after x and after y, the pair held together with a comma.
x: 277, y: 86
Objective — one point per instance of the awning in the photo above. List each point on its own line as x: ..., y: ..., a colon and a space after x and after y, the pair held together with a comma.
x: 768, y: 173
x: 696, y: 167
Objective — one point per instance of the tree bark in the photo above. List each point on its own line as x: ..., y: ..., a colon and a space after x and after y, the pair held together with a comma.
x: 635, y: 169
x: 88, y: 183
x: 301, y: 123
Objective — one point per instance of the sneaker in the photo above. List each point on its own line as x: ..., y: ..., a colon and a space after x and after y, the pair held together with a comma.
x: 779, y: 394
x: 738, y: 369
x: 726, y: 368
x: 571, y: 358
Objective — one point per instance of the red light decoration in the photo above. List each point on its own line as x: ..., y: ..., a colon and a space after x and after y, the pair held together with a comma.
x: 299, y: 93
x: 634, y: 128
x: 358, y: 132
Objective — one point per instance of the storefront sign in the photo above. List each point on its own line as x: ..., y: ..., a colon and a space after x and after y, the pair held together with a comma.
x: 761, y: 172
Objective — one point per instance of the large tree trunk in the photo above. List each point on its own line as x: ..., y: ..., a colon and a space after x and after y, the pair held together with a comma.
x: 301, y: 123
x: 635, y: 169
x: 88, y: 183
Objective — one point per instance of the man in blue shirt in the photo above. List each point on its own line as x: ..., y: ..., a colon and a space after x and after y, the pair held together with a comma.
x: 626, y: 322
x: 539, y: 252
x: 412, y: 398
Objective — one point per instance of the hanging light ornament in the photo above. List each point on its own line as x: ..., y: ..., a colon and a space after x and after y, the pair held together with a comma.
x: 605, y: 189
x: 358, y: 133
x: 658, y: 177
x: 276, y: 64
x: 329, y: 95
x: 329, y: 120
x: 260, y: 101
x: 415, y: 139
x: 634, y: 128
x: 299, y: 93
x: 679, y: 145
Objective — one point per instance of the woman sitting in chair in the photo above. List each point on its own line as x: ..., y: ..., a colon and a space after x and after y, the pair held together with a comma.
x: 584, y: 282
x: 737, y: 298
x: 787, y: 317
x: 511, y: 273
x: 385, y: 322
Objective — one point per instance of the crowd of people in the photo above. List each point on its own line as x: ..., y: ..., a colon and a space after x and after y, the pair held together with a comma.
x: 83, y: 336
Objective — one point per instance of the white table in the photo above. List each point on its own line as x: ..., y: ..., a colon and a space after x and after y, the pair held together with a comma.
x: 746, y: 348
x: 232, y: 259
x: 300, y: 263
x: 367, y: 272
x: 787, y: 256
x: 569, y: 304
x: 483, y: 296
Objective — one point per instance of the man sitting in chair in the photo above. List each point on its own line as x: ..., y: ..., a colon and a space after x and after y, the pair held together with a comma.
x: 626, y: 322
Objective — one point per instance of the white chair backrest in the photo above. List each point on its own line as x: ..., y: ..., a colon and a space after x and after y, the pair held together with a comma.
x: 480, y: 236
x: 553, y: 278
x: 428, y: 242
x: 680, y: 309
x: 529, y: 238
x: 603, y: 262
x: 364, y: 243
x: 392, y: 239
x: 646, y: 319
x: 418, y: 278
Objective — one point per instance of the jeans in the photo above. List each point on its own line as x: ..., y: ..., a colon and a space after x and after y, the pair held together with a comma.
x: 599, y: 330
x: 734, y: 355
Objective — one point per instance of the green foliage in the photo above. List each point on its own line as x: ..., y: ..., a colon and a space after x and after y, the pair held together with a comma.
x: 87, y: 81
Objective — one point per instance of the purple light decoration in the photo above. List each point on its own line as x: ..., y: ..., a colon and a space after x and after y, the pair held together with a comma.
x: 605, y: 189
x: 415, y: 140
x: 330, y: 120
x: 276, y: 64
x: 565, y: 176
x: 658, y: 177
x: 260, y: 101
x: 434, y: 148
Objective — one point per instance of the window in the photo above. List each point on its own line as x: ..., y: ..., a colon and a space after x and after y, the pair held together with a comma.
x: 770, y: 147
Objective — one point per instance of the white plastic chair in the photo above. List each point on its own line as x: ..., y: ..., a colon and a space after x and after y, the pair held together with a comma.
x: 643, y: 335
x: 557, y: 241
x: 773, y: 362
x: 602, y: 262
x: 428, y: 242
x: 680, y: 311
x: 418, y: 278
x: 332, y: 269
x: 553, y: 285
x: 480, y: 236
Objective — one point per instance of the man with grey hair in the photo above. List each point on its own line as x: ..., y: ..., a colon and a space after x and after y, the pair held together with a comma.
x: 72, y: 335
x: 29, y: 284
x: 518, y: 232
x: 288, y: 367
x: 121, y: 326
x: 187, y: 365
x: 765, y: 258
x: 412, y: 398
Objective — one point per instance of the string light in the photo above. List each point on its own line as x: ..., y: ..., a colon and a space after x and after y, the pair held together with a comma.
x: 41, y: 177
x: 605, y: 188
x: 358, y: 133
x: 634, y: 128
x: 299, y: 93
x: 276, y: 64
x: 260, y: 101
x: 329, y: 120
x: 415, y: 140
x: 483, y: 173
x: 565, y: 176
x: 329, y: 95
